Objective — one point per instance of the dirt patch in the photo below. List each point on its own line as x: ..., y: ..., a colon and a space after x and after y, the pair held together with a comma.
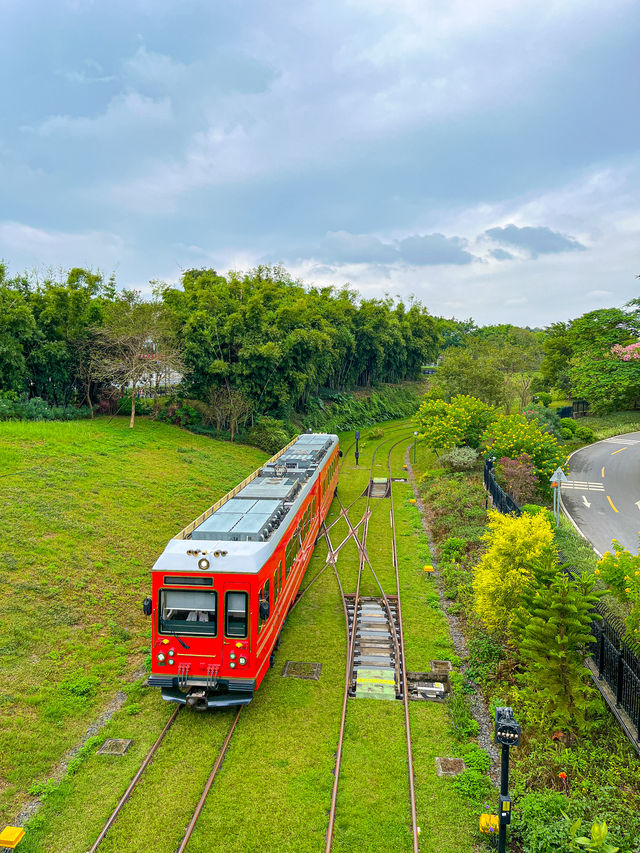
x: 450, y: 766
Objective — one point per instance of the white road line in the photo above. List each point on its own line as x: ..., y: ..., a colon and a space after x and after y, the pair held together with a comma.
x: 586, y: 502
x: 583, y: 487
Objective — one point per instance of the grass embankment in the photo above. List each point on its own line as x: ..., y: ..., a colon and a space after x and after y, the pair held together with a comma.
x: 85, y: 508
x: 617, y: 423
x: 273, y: 790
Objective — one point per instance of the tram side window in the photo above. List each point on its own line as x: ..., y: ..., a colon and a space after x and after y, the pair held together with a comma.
x: 313, y: 507
x: 277, y: 582
x: 288, y: 558
x: 264, y: 596
x: 294, y: 545
x: 235, y: 612
x: 188, y: 612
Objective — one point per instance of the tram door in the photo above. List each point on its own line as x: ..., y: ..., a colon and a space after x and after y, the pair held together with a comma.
x: 236, y: 625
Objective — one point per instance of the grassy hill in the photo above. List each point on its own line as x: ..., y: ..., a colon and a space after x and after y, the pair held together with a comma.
x: 85, y: 509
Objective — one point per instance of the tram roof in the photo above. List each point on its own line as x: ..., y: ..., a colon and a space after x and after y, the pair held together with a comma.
x: 242, y: 531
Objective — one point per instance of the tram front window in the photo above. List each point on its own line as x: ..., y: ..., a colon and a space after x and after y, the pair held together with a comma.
x: 186, y: 611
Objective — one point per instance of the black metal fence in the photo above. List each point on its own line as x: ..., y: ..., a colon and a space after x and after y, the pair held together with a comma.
x: 618, y: 666
x: 615, y: 658
x: 501, y: 500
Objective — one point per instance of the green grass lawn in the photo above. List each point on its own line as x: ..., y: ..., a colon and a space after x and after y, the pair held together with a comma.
x: 85, y: 509
x: 96, y: 505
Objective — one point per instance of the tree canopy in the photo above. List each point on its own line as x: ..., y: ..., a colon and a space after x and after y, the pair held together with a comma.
x: 259, y: 342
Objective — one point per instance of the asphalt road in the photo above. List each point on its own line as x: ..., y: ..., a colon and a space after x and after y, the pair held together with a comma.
x: 602, y: 494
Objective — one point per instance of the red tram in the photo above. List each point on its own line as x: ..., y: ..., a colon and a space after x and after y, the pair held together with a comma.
x: 223, y: 586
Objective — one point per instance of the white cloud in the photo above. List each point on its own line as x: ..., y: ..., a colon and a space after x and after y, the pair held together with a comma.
x: 123, y: 112
x: 25, y: 246
x: 146, y: 67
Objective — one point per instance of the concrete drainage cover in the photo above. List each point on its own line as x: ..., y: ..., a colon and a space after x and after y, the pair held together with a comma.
x: 441, y: 665
x: 114, y: 746
x: 449, y: 766
x: 300, y: 669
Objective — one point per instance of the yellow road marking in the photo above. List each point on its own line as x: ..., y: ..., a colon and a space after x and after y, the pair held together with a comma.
x: 603, y: 472
x: 612, y: 506
x: 618, y: 451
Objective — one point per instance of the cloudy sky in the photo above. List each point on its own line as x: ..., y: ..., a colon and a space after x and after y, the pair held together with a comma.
x: 480, y: 154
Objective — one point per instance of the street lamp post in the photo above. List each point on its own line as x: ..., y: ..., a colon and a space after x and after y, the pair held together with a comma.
x: 357, y: 448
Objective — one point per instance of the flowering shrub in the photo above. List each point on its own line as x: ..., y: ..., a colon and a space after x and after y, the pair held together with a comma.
x: 628, y: 353
x: 547, y: 419
x: 460, y: 422
x: 620, y: 570
x: 513, y: 435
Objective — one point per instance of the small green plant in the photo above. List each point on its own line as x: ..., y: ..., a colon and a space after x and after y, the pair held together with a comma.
x: 452, y: 548
x: 473, y: 785
x: 475, y: 758
x: 569, y: 423
x: 463, y: 726
x: 84, y: 686
x: 620, y: 570
x: 375, y: 433
x: 597, y: 841
x: 566, y: 434
x: 44, y: 789
x: 555, y: 625
x: 547, y: 419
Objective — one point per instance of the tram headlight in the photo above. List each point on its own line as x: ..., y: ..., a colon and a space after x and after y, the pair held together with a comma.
x: 161, y: 657
x: 203, y: 564
x: 232, y: 665
x: 242, y: 661
x: 232, y: 656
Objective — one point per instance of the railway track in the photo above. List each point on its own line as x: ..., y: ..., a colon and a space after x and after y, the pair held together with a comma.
x: 148, y: 759
x: 375, y: 648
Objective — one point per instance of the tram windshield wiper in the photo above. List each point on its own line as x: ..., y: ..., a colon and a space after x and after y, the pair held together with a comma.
x: 179, y: 639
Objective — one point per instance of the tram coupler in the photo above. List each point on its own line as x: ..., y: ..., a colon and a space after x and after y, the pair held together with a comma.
x: 197, y: 700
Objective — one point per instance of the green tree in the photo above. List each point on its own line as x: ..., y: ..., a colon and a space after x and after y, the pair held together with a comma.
x: 133, y: 343
x: 556, y: 633
x: 472, y: 370
x: 577, y: 352
x: 278, y: 343
x: 607, y: 382
x: 17, y: 331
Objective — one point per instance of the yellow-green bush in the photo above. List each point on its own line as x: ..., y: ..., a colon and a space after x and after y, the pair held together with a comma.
x: 514, y: 546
